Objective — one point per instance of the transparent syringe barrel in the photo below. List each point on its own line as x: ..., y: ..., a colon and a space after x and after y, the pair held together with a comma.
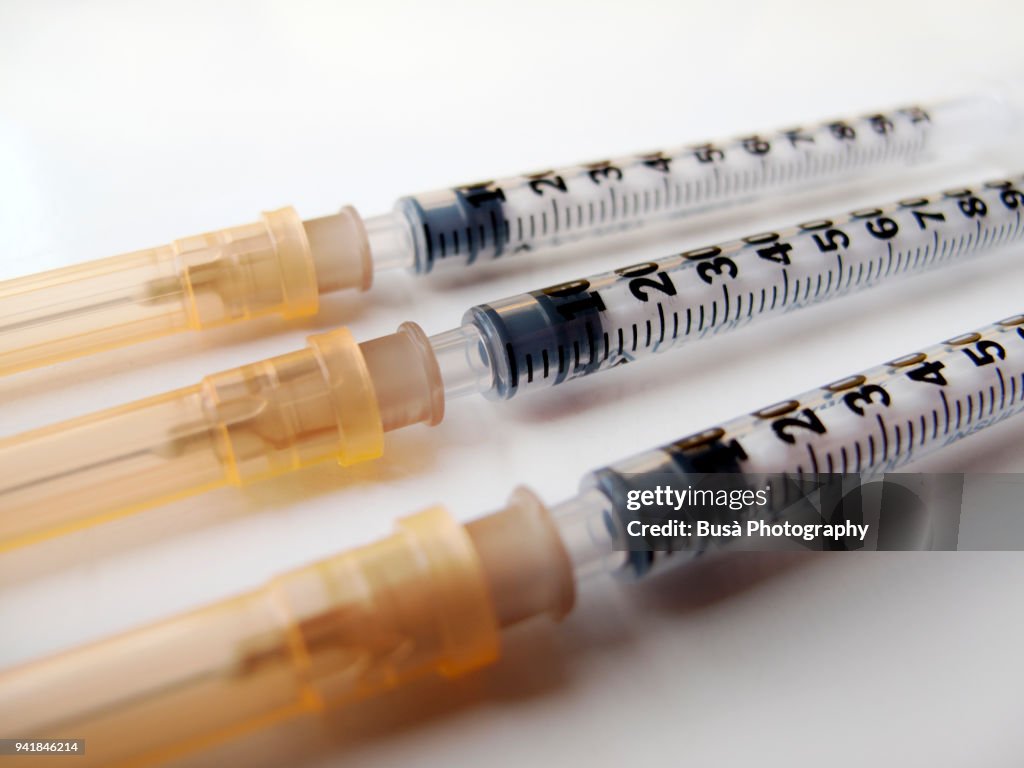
x: 871, y: 422
x: 194, y: 283
x: 547, y: 337
x: 235, y: 427
x: 413, y: 604
x: 534, y: 212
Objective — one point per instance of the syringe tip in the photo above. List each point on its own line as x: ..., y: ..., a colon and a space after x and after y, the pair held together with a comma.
x: 406, y: 378
x: 523, y: 558
x: 341, y: 251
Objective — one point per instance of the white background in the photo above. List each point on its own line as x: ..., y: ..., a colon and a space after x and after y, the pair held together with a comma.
x: 125, y: 125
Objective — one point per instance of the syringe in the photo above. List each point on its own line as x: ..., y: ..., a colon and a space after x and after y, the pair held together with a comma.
x: 433, y: 597
x: 337, y: 398
x: 282, y: 264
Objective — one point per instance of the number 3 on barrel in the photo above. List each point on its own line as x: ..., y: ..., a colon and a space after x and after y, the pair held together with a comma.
x: 711, y: 263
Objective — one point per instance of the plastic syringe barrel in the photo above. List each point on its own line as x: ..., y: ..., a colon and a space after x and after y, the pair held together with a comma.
x: 429, y: 599
x: 333, y: 399
x: 278, y: 265
x: 537, y: 212
x: 554, y: 335
x: 865, y: 424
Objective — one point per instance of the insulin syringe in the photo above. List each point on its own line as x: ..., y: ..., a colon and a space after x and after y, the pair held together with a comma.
x: 282, y: 264
x: 433, y: 597
x: 337, y: 398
